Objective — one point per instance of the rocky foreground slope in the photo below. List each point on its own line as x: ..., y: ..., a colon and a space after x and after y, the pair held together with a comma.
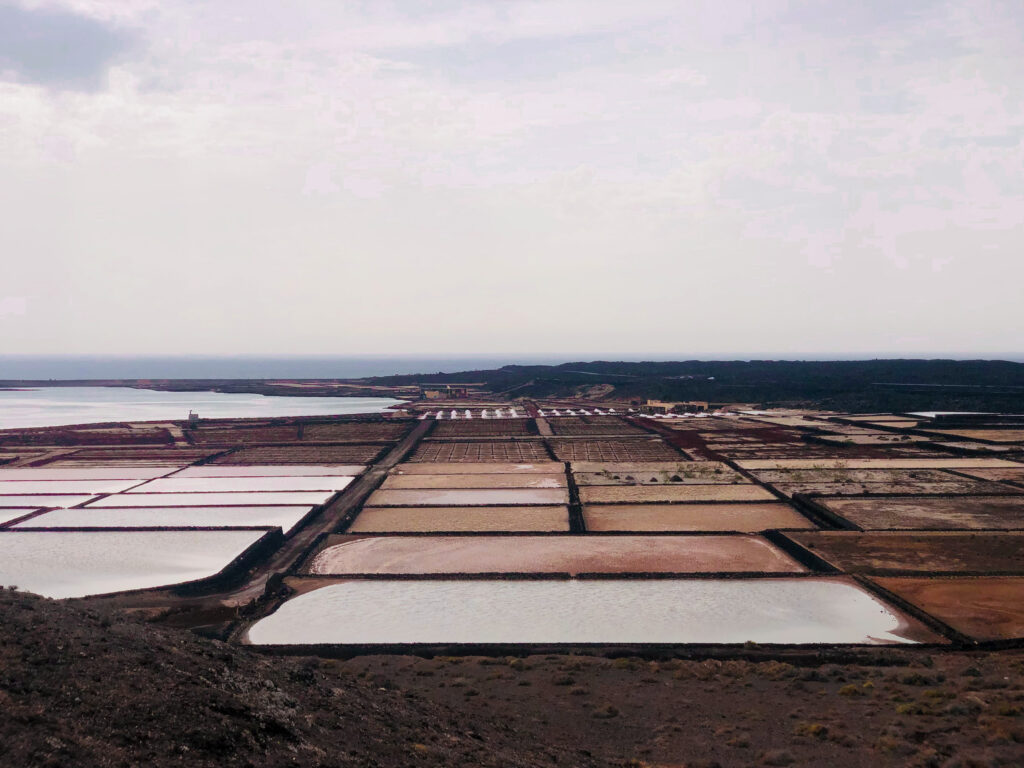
x: 82, y: 685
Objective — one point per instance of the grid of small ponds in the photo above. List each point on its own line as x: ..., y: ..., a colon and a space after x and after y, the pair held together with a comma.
x: 149, y: 527
x: 783, y: 541
x: 563, y: 553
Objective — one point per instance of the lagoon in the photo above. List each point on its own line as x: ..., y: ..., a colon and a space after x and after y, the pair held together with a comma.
x: 62, y: 406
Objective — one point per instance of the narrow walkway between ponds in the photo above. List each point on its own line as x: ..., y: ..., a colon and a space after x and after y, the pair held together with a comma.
x: 351, y: 499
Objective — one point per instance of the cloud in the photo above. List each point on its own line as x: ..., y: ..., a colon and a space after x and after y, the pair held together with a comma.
x: 57, y: 48
x: 320, y: 180
x: 13, y: 305
x: 485, y: 152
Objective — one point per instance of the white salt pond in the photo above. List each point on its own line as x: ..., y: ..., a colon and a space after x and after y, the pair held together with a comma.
x: 234, y: 484
x: 284, y: 518
x: 42, y: 500
x: 302, y: 498
x: 6, y: 515
x: 92, y: 486
x: 76, y: 564
x: 800, y: 610
x: 270, y: 470
x: 60, y: 406
x: 82, y: 473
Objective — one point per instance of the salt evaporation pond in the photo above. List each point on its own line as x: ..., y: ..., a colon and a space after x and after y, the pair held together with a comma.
x: 6, y: 515
x: 552, y: 554
x: 83, y: 473
x: 43, y: 501
x: 285, y: 518
x: 236, y: 484
x: 270, y: 470
x: 435, y: 519
x: 303, y: 498
x: 507, y: 480
x: 62, y: 565
x: 92, y: 486
x: 60, y: 406
x: 692, y: 517
x: 798, y: 610
x: 470, y: 468
x: 467, y: 497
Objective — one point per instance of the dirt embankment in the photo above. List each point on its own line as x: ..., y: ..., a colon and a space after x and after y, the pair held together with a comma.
x: 83, y: 686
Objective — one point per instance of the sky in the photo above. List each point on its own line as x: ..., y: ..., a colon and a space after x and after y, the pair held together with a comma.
x: 581, y: 177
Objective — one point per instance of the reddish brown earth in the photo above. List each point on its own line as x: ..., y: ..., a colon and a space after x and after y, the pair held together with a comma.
x: 624, y: 494
x: 484, y: 428
x: 633, y: 449
x: 521, y: 451
x: 918, y: 553
x: 83, y: 686
x: 304, y: 454
x: 984, y: 608
x: 923, y: 513
x: 692, y: 517
x: 475, y: 480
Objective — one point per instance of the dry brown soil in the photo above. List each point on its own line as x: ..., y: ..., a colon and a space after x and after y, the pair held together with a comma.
x: 82, y: 686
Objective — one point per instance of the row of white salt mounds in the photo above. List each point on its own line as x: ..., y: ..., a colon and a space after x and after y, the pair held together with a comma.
x: 512, y: 413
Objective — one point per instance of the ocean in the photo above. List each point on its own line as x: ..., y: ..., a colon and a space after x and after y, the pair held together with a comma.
x: 83, y: 367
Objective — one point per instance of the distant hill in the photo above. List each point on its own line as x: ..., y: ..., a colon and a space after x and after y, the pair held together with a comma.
x: 853, y: 385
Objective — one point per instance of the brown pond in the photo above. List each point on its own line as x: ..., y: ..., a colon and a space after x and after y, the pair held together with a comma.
x: 596, y: 494
x: 479, y: 480
x: 924, y: 513
x: 468, y: 468
x: 458, y: 497
x: 692, y: 517
x: 440, y: 519
x: 934, y: 552
x: 984, y: 608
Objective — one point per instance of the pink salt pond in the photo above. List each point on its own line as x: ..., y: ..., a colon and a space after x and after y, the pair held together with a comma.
x: 551, y: 554
x: 444, y: 519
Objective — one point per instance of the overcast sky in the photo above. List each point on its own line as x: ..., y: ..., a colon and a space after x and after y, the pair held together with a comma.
x: 586, y: 177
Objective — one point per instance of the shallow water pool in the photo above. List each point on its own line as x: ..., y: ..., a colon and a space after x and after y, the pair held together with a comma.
x: 76, y: 564
x: 302, y: 498
x: 285, y: 518
x: 242, y: 484
x: 797, y: 610
x: 41, y: 500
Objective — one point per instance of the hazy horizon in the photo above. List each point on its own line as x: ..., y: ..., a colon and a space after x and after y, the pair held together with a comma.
x: 805, y: 178
x: 93, y: 367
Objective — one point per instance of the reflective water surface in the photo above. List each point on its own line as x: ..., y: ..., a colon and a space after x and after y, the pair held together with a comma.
x: 92, y: 563
x: 57, y: 406
x: 798, y: 610
x: 272, y: 517
x: 305, y: 498
x: 232, y: 484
